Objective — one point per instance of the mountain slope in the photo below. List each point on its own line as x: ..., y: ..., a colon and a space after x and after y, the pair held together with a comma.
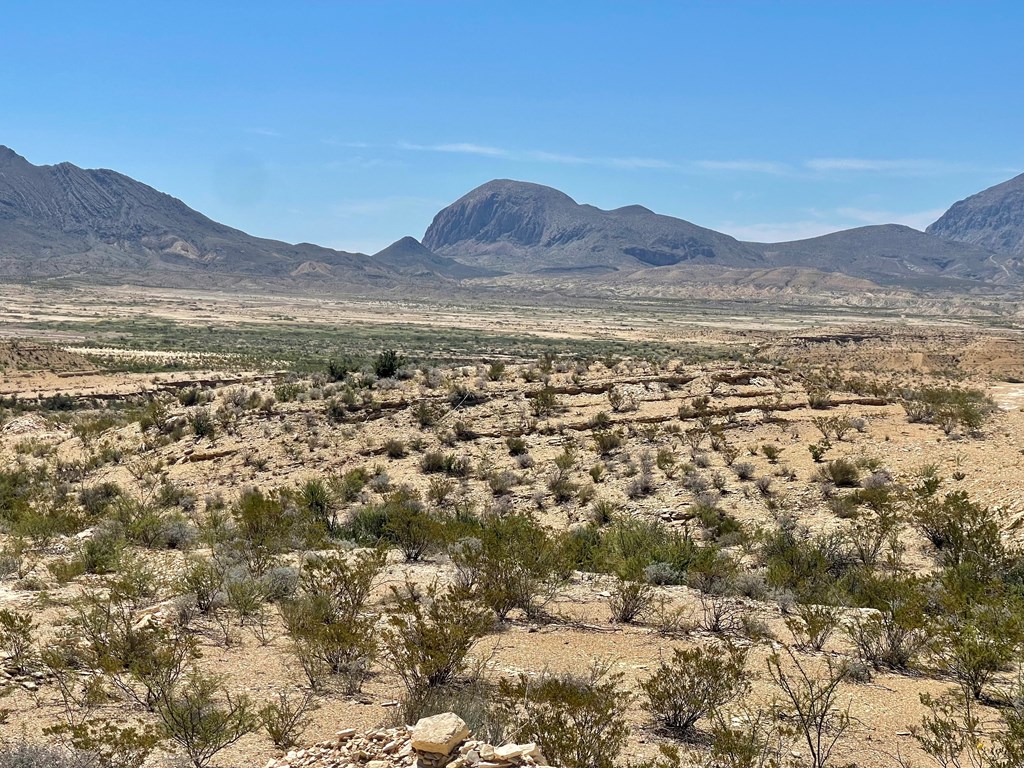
x: 409, y: 257
x: 993, y: 218
x: 63, y: 220
x: 891, y: 254
x: 521, y: 227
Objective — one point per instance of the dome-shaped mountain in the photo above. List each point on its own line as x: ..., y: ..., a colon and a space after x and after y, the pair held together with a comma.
x: 521, y: 227
x: 993, y: 218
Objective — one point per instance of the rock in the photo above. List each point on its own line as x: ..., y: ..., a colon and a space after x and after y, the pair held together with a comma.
x: 439, y: 734
x: 511, y: 752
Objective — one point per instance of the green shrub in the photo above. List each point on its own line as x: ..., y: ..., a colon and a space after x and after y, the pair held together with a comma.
x: 285, y: 717
x: 840, y: 472
x: 427, y: 638
x: 472, y: 700
x: 387, y: 363
x: 512, y: 562
x: 696, y: 682
x: 202, y: 717
x: 579, y: 722
x: 897, y: 629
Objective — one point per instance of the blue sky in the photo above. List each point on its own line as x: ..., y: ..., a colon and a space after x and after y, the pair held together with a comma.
x: 351, y: 124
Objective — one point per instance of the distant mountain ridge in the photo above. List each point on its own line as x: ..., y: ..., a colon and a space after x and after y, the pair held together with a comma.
x: 993, y: 218
x: 62, y: 220
x: 529, y: 228
x: 100, y: 225
x: 889, y: 254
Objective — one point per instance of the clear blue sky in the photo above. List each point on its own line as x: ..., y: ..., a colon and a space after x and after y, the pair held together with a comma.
x: 351, y: 124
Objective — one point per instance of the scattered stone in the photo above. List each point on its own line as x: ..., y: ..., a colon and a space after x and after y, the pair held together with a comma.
x: 400, y: 748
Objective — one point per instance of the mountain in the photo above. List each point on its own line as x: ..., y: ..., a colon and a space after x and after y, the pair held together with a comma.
x: 993, y: 218
x: 890, y: 254
x: 409, y: 257
x: 62, y: 220
x: 528, y: 228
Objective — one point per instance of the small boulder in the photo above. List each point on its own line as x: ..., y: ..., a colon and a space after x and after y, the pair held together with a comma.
x: 439, y: 734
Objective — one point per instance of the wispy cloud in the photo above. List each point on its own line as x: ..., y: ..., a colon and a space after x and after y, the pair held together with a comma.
x: 869, y: 165
x: 263, y: 132
x: 743, y: 166
x: 459, y: 148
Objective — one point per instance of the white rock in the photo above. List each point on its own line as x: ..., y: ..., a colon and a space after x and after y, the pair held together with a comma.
x: 439, y: 734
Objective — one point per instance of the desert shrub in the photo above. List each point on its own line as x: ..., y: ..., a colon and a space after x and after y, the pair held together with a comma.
x: 579, y: 721
x: 348, y: 487
x: 387, y: 363
x: 603, y: 511
x: 285, y: 717
x: 950, y: 407
x: 743, y: 470
x: 394, y: 448
x: 204, y: 579
x: 109, y: 744
x: 495, y: 372
x: 642, y: 485
x: 502, y: 483
x: 631, y: 598
x: 142, y: 659
x: 809, y: 566
x: 840, y: 472
x: 22, y: 754
x: 512, y: 562
x: 966, y: 535
x: 427, y: 637
x: 561, y: 486
x: 810, y: 705
x: 202, y: 717
x: 203, y: 424
x: 101, y: 552
x: 516, y: 445
x: 695, y: 683
x: 718, y: 522
x: 977, y: 636
x: 895, y: 629
x: 607, y: 440
x: 543, y: 402
x: 16, y: 640
x: 266, y: 528
x: 813, y: 624
x: 97, y: 499
x: 472, y: 700
x: 339, y: 368
x: 320, y: 502
x: 413, y: 529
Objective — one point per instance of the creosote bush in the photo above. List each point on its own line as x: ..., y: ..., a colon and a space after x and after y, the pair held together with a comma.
x: 579, y: 721
x: 696, y: 682
x: 428, y: 635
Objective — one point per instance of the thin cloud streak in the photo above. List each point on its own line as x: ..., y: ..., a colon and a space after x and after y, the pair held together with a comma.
x: 867, y: 165
x: 744, y: 166
x: 460, y: 148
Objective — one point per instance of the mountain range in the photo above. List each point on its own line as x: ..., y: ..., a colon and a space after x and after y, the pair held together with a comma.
x: 65, y: 221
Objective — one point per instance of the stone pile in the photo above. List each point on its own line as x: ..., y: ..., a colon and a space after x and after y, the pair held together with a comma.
x: 440, y: 741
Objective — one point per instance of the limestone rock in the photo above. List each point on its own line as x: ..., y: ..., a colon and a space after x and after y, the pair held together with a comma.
x: 439, y: 734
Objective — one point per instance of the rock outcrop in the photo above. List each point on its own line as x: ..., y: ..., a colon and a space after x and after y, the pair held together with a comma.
x: 440, y: 741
